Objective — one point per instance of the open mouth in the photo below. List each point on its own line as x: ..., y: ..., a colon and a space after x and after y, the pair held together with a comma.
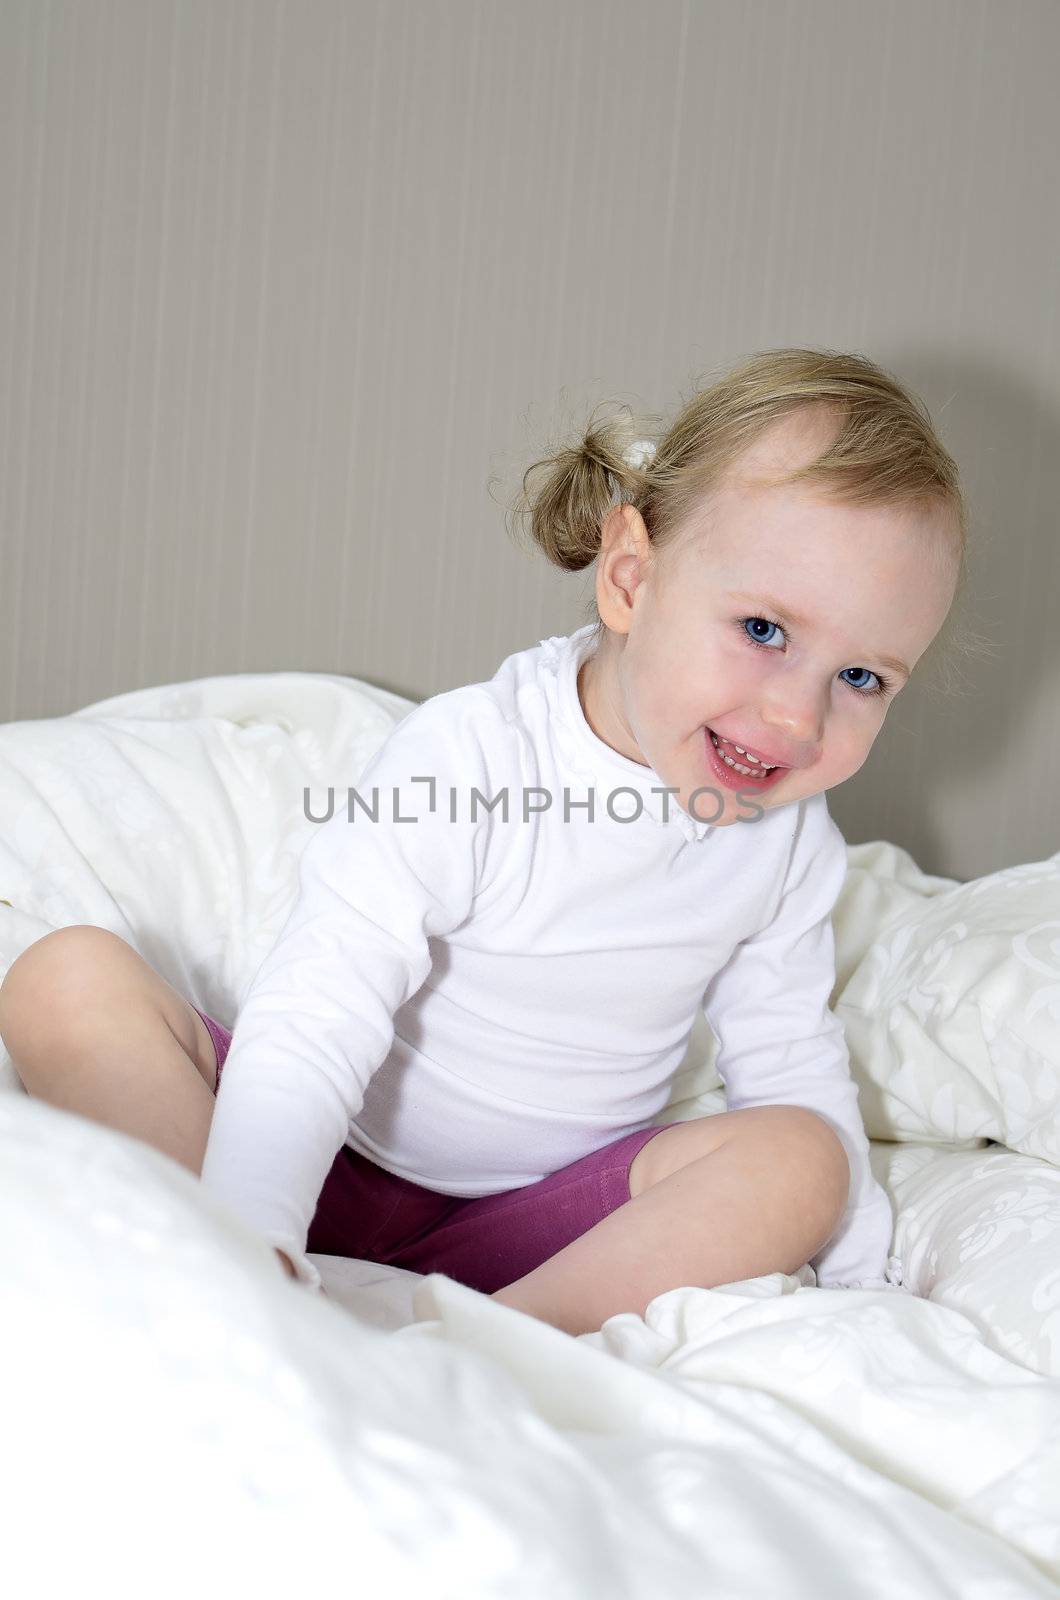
x: 738, y: 771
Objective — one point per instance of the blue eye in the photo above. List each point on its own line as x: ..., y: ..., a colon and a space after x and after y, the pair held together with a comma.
x: 765, y: 622
x: 882, y: 684
x: 863, y: 688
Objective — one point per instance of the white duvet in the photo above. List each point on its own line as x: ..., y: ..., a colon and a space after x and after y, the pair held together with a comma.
x: 180, y: 1418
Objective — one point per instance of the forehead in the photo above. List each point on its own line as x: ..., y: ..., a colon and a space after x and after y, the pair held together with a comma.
x: 883, y: 575
x: 800, y: 527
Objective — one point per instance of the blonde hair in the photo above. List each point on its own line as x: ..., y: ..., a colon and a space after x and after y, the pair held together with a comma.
x: 885, y: 453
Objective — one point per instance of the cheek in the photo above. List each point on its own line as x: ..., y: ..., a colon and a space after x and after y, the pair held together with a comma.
x: 659, y: 683
x: 854, y: 736
x: 654, y: 706
x: 739, y: 663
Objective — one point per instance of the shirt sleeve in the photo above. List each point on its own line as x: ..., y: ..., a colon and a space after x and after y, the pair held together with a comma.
x: 317, y: 1020
x: 779, y: 1043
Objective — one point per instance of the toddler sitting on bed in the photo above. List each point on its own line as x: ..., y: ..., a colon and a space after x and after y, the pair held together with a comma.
x: 453, y: 1057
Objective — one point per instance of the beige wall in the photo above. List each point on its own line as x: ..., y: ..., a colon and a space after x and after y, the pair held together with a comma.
x: 291, y: 294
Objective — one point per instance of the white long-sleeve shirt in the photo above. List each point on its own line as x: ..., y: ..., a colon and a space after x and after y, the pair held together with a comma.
x: 473, y: 1002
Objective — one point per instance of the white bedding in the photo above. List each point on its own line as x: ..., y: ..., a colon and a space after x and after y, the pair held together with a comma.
x: 177, y: 1414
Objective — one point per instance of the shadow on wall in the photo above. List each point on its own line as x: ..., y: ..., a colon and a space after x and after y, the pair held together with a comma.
x: 976, y: 726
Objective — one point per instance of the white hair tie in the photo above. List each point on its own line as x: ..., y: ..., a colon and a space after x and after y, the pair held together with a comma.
x: 640, y: 453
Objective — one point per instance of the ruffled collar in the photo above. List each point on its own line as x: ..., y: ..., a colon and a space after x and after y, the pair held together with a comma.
x: 590, y: 757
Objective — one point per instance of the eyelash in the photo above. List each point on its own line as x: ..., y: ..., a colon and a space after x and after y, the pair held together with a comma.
x: 883, y: 683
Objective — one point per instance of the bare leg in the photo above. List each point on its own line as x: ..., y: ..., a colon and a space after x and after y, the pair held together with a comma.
x: 766, y: 1199
x: 92, y: 1028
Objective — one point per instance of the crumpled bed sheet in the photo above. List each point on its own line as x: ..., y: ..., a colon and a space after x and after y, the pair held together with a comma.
x: 178, y: 1415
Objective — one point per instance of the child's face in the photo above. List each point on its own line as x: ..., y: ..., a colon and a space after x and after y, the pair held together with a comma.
x: 858, y: 586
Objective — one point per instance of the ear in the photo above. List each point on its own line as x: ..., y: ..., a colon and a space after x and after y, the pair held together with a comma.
x: 623, y: 564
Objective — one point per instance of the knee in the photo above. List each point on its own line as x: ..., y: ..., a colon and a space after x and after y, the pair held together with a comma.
x: 827, y: 1170
x: 807, y: 1163
x: 56, y: 979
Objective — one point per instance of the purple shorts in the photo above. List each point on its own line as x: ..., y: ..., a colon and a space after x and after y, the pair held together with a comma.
x: 483, y: 1241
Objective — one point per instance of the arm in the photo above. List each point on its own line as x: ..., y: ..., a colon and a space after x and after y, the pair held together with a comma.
x: 779, y: 1043
x: 317, y: 1020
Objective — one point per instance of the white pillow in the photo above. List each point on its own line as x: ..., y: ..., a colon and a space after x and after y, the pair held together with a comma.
x: 174, y: 816
x: 952, y: 1007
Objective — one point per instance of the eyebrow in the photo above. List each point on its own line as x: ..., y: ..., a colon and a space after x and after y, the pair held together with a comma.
x: 792, y: 619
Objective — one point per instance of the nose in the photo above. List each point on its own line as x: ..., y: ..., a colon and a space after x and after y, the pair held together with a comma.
x: 796, y: 715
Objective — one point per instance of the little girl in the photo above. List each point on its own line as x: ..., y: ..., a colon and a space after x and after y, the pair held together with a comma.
x: 452, y: 1058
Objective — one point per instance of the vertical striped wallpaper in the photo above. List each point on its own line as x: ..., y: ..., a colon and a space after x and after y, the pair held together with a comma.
x: 292, y: 293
